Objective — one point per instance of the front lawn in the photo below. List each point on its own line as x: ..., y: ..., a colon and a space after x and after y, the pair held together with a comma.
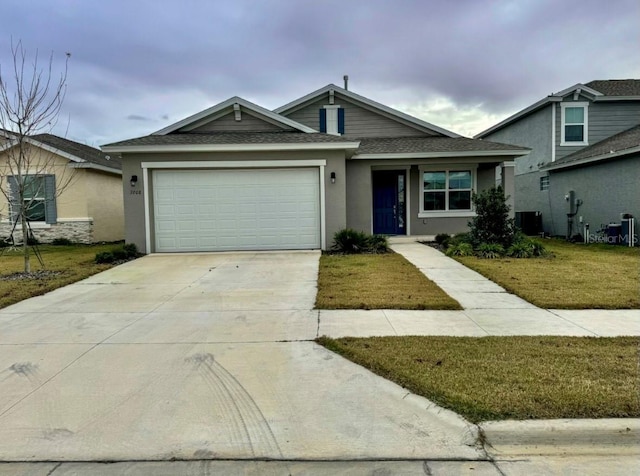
x: 496, y: 378
x: 68, y: 264
x: 376, y: 281
x: 578, y: 277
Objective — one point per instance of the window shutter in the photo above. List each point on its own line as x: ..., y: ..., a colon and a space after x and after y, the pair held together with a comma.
x: 50, y: 211
x: 341, y: 120
x: 14, y: 205
x: 323, y: 120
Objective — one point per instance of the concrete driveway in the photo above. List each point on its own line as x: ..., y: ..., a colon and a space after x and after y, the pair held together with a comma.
x: 200, y: 357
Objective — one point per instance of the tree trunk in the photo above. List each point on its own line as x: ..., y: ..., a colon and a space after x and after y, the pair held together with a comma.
x: 25, y: 243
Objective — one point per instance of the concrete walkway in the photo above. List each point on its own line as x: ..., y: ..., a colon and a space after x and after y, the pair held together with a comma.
x: 488, y: 309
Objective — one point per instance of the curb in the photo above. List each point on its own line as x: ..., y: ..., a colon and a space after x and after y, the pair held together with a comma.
x: 542, y: 437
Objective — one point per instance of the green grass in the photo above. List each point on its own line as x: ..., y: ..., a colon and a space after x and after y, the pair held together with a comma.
x: 577, y: 277
x: 496, y: 378
x: 74, y: 263
x: 376, y: 281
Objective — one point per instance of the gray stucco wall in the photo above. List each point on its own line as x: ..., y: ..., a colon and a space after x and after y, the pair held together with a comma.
x: 529, y: 198
x: 606, y: 189
x: 359, y: 194
x: 335, y: 194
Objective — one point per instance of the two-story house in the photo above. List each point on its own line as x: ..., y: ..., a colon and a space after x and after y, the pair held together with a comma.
x: 584, y: 165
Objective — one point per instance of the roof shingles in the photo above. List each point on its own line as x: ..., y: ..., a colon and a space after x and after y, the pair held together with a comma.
x: 616, y: 87
x: 412, y: 145
x: 82, y: 151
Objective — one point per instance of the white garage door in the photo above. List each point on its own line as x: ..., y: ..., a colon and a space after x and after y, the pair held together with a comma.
x: 216, y: 210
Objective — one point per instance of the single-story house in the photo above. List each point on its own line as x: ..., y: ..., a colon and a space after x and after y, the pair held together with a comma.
x: 75, y: 191
x: 238, y: 176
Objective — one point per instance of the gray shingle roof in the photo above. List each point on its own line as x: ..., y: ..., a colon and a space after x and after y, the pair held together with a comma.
x: 616, y: 87
x: 231, y: 138
x: 625, y: 140
x: 82, y: 151
x: 395, y: 145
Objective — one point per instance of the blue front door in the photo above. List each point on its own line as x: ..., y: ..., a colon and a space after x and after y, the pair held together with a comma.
x: 389, y: 202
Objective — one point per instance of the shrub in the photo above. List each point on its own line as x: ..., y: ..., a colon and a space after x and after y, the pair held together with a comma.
x: 492, y: 223
x: 378, y: 244
x: 490, y: 250
x: 124, y: 253
x: 105, y: 257
x: 131, y: 249
x: 461, y: 249
x: 538, y: 249
x: 460, y: 238
x: 443, y: 239
x: 350, y: 241
x: 520, y: 250
x: 62, y: 242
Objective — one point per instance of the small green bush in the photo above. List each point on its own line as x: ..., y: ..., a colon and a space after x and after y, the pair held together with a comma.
x: 461, y: 249
x: 520, y: 250
x: 62, y: 242
x: 443, y: 239
x: 349, y: 241
x: 538, y: 250
x: 104, y: 257
x: 492, y: 223
x: 378, y: 244
x: 131, y: 249
x: 124, y: 253
x: 490, y: 251
x: 460, y: 238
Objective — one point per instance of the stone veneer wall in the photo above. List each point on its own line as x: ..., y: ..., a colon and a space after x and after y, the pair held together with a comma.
x: 76, y: 231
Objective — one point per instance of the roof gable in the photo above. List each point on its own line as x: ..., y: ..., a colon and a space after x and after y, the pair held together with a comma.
x: 598, y: 90
x: 365, y: 103
x: 80, y: 155
x: 232, y: 105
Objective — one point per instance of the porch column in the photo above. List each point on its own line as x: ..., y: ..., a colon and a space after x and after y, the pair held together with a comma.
x: 507, y: 173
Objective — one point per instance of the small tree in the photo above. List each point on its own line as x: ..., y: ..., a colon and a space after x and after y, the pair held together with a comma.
x: 30, y: 102
x: 492, y: 223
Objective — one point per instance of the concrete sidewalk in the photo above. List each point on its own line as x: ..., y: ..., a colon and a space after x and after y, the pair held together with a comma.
x: 488, y: 309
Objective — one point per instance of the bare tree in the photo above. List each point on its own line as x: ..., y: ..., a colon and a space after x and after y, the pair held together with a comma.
x: 31, y: 97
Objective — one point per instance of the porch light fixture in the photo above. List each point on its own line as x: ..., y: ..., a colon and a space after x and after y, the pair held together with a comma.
x: 333, y: 177
x: 134, y: 180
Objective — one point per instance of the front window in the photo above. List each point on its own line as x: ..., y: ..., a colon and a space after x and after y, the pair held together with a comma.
x: 574, y: 124
x: 544, y: 183
x: 34, y: 197
x: 447, y: 190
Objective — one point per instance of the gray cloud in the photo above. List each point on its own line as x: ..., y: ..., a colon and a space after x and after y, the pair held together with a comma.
x: 154, y: 62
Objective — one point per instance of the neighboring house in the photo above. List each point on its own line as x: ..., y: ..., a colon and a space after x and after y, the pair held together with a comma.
x: 237, y: 176
x: 77, y: 191
x: 585, y: 155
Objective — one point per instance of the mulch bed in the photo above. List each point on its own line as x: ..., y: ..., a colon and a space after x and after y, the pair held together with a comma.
x: 40, y: 274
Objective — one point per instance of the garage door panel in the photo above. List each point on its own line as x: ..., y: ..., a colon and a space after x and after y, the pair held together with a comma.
x: 209, y: 210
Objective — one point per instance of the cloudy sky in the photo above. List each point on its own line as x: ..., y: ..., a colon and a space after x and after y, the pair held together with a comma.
x: 139, y: 65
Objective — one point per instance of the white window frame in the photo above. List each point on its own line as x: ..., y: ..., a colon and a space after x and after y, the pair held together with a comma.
x: 447, y: 213
x: 332, y: 119
x: 544, y: 183
x: 585, y: 124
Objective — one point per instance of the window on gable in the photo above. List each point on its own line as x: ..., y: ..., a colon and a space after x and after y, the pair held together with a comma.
x: 574, y: 124
x: 38, y: 198
x: 332, y: 120
x: 447, y: 190
x: 544, y: 183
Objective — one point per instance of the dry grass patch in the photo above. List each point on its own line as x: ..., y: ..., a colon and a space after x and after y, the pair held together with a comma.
x: 496, y: 378
x: 63, y: 265
x: 376, y: 281
x: 578, y: 277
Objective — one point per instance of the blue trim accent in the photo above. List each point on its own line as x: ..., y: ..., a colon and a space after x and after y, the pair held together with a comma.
x: 341, y: 120
x: 323, y: 120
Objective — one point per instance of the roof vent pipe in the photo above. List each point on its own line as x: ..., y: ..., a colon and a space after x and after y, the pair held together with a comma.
x: 346, y: 82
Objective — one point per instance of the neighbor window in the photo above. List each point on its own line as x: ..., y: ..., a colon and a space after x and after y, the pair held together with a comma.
x: 544, y: 183
x: 574, y: 124
x: 38, y: 198
x: 447, y: 190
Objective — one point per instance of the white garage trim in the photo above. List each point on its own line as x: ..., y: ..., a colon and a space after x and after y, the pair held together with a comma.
x: 229, y: 164
x: 139, y: 149
x: 146, y: 166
